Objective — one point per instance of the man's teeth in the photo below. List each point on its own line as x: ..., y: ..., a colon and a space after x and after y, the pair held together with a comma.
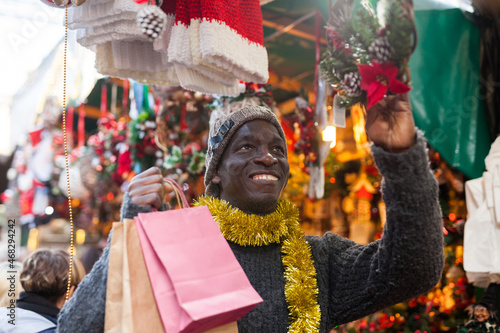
x: 264, y: 177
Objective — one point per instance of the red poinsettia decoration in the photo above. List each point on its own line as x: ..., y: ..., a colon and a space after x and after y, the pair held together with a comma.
x: 377, y: 79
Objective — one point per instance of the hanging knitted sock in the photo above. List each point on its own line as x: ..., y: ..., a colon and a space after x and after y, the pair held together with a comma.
x: 100, y: 12
x: 179, y: 52
x: 121, y: 21
x: 231, y: 36
x: 101, y: 21
x: 178, y: 46
x: 193, y: 80
x: 161, y: 44
x: 104, y: 64
x: 137, y: 55
x: 122, y: 30
x: 204, y: 67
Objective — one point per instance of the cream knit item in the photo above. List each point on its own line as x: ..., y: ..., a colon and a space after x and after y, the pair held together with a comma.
x: 106, y: 66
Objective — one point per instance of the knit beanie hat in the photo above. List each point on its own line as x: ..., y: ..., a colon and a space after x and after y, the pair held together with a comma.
x: 221, y: 132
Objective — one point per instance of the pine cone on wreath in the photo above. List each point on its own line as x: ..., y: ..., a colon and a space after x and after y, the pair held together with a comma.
x: 152, y: 21
x: 352, y: 84
x: 380, y: 50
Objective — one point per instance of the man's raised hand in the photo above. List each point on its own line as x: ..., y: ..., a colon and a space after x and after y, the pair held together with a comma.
x: 390, y: 124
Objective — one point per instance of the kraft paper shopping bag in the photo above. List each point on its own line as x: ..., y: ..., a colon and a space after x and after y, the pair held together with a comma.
x: 114, y: 289
x: 130, y: 304
x: 139, y: 311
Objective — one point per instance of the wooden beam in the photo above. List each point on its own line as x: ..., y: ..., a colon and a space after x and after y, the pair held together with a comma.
x: 92, y: 112
x: 293, y: 32
x: 289, y: 27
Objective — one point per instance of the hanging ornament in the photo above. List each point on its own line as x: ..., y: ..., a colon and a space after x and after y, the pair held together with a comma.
x: 87, y: 169
x: 152, y: 21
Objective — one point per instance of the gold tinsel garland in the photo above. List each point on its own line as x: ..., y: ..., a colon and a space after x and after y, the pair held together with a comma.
x: 282, y: 227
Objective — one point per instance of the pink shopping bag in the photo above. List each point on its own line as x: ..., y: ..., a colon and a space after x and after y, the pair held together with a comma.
x: 197, y: 282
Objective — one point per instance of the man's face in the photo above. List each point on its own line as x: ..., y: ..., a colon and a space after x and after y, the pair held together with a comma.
x: 254, y: 169
x: 481, y: 313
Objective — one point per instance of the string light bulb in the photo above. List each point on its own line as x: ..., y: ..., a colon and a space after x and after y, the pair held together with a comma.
x: 330, y: 134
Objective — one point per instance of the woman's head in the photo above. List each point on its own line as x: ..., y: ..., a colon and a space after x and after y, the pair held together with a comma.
x: 45, y: 273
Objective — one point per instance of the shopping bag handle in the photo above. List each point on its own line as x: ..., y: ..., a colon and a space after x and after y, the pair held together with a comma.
x: 179, y: 194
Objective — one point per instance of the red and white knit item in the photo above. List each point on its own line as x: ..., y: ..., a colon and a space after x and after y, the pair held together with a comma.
x: 231, y: 36
x: 182, y: 51
x: 194, y: 74
x: 231, y: 57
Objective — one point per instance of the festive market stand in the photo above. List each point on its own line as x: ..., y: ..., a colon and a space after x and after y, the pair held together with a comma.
x: 118, y: 127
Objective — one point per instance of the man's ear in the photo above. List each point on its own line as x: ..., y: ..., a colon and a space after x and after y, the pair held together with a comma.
x: 216, y: 179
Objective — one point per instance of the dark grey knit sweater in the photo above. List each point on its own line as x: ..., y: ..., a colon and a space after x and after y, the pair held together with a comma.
x: 353, y: 280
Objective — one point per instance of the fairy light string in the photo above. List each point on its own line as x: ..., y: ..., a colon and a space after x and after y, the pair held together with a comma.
x: 66, y: 157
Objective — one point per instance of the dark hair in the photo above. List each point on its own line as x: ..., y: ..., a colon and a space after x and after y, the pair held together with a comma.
x: 45, y: 273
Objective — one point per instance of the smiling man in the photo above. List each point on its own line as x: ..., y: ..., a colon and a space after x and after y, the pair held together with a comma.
x: 308, y: 284
x: 253, y: 170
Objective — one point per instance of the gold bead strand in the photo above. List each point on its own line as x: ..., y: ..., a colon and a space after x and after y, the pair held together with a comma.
x: 66, y: 157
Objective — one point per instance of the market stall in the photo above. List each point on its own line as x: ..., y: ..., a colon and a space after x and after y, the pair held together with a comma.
x: 161, y: 89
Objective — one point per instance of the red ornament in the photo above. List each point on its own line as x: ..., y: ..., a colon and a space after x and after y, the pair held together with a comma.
x: 36, y: 137
x: 377, y: 79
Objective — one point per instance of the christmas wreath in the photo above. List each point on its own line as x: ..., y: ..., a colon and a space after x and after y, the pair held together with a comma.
x: 368, y: 53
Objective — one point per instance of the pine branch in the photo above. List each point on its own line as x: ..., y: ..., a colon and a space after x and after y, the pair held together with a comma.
x: 399, y: 30
x: 366, y: 26
x: 335, y: 64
